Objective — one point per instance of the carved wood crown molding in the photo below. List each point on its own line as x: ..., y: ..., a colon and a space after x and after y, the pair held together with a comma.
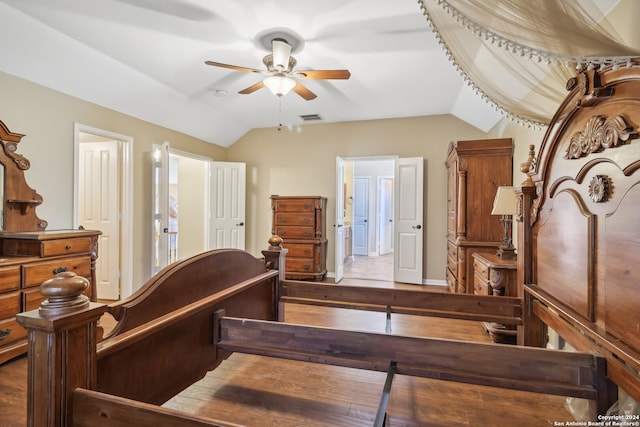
x: 9, y: 141
x: 599, y: 134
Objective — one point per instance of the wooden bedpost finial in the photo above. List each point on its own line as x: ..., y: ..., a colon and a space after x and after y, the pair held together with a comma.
x: 64, y: 294
x: 275, y: 242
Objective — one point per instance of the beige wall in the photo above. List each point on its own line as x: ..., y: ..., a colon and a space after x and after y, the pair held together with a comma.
x: 293, y: 163
x: 287, y: 162
x: 47, y: 119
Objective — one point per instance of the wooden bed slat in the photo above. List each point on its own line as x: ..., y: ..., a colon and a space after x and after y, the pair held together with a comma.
x: 520, y: 368
x: 95, y: 409
x: 504, y: 310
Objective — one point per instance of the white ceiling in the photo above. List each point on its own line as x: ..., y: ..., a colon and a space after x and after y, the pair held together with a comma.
x: 145, y: 58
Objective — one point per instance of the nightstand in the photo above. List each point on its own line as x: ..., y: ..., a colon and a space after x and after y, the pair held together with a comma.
x: 495, y: 276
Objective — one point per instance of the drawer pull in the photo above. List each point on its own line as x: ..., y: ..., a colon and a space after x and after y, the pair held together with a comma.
x: 307, y: 206
x: 4, y: 333
x: 282, y: 219
x: 306, y: 233
x: 67, y: 247
x: 307, y: 251
x: 306, y: 220
x: 59, y: 270
x: 306, y: 266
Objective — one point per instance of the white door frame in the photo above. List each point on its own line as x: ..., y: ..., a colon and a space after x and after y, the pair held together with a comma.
x: 358, y: 159
x: 339, y: 223
x: 383, y: 223
x: 126, y: 191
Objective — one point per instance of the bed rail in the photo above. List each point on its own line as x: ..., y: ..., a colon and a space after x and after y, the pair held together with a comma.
x: 503, y: 310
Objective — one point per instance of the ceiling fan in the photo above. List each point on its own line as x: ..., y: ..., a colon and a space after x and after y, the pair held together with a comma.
x: 281, y: 78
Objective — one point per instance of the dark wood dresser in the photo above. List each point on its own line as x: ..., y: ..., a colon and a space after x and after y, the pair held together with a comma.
x: 30, y: 254
x: 476, y: 169
x: 301, y: 223
x: 27, y: 260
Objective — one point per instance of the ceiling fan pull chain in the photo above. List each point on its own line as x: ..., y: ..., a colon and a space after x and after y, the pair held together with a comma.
x: 279, y: 114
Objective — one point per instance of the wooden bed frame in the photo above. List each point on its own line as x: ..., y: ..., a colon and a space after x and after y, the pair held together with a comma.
x: 577, y: 274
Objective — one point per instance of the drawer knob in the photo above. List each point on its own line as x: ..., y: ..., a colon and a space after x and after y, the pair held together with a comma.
x: 281, y: 219
x: 67, y: 247
x: 4, y: 333
x: 306, y: 251
x: 306, y: 233
x: 59, y: 270
x: 306, y: 220
x: 306, y: 266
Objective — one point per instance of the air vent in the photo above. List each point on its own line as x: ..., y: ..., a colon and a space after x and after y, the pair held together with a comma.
x: 311, y: 117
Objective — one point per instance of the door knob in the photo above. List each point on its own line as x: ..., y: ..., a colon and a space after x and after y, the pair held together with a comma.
x: 416, y: 227
x: 240, y: 225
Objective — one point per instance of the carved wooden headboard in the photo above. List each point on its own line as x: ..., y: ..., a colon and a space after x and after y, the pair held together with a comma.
x: 579, y: 224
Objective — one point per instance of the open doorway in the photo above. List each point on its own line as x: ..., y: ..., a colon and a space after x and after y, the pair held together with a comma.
x: 368, y: 219
x: 103, y: 200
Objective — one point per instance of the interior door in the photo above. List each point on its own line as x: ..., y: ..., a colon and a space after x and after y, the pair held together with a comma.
x: 408, y: 228
x: 99, y: 209
x: 385, y: 190
x: 339, y: 228
x: 160, y: 208
x: 361, y: 216
x: 228, y: 188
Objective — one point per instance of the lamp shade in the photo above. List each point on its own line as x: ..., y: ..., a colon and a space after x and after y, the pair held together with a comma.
x: 505, y: 202
x: 279, y: 85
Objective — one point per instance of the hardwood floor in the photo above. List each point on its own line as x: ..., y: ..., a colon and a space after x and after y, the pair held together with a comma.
x: 369, y: 267
x: 259, y: 391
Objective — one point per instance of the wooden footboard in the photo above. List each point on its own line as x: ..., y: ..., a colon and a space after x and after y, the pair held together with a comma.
x: 164, y: 341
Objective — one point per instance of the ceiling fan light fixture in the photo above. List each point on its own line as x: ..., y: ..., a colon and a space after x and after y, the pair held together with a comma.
x: 279, y: 85
x: 281, y: 54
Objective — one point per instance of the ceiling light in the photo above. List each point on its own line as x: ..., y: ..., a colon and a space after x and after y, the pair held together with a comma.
x: 281, y: 54
x: 279, y: 85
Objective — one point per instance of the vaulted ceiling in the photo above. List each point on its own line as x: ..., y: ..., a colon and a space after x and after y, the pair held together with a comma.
x: 146, y: 58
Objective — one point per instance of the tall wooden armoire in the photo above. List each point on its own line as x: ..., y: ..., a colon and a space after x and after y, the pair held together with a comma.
x: 476, y: 169
x: 301, y: 222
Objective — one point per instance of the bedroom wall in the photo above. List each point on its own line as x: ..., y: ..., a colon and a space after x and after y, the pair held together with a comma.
x: 287, y: 162
x: 47, y: 119
x: 303, y: 162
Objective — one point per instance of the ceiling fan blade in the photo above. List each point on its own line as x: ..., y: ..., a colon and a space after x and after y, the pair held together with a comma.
x: 322, y: 74
x: 281, y: 54
x: 234, y: 67
x: 252, y: 88
x: 304, y: 92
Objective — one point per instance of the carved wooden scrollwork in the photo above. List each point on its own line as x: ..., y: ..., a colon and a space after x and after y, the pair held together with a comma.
x: 600, y: 133
x: 536, y: 202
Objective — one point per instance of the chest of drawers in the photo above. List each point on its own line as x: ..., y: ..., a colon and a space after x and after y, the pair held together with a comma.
x: 26, y: 261
x: 301, y: 223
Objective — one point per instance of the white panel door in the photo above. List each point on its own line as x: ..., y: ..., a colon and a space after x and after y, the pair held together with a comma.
x: 339, y: 227
x: 408, y: 229
x: 99, y: 209
x: 228, y: 188
x: 160, y: 208
x: 385, y: 187
x: 360, y: 224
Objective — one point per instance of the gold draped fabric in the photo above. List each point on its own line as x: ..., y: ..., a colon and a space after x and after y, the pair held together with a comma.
x: 519, y: 54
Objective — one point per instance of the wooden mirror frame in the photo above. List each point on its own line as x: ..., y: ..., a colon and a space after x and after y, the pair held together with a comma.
x: 19, y: 200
